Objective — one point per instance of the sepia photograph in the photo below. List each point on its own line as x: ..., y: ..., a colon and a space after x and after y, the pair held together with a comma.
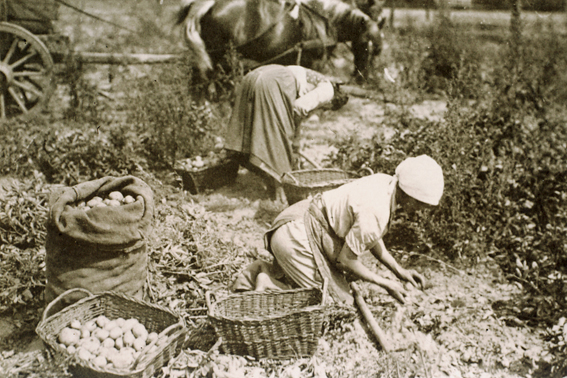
x: 283, y: 188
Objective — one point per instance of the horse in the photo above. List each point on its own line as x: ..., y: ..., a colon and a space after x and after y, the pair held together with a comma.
x: 278, y: 31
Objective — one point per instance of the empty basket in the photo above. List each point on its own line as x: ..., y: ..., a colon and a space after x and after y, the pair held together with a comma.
x: 279, y: 325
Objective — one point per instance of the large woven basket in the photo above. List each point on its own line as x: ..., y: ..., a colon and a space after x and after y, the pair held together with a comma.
x: 212, y: 177
x: 277, y: 325
x: 299, y: 185
x: 114, y: 305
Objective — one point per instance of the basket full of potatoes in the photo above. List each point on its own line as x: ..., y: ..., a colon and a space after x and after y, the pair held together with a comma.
x: 208, y: 171
x: 112, y: 333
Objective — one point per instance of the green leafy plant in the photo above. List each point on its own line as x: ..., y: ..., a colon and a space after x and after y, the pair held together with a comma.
x: 170, y: 122
x: 81, y: 155
x: 506, y: 177
x: 23, y: 213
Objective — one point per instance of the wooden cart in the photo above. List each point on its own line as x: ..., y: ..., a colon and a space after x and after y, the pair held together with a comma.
x: 29, y: 49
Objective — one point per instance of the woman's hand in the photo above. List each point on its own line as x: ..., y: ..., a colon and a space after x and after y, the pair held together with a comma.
x: 322, y: 94
x: 396, y: 290
x: 413, y: 277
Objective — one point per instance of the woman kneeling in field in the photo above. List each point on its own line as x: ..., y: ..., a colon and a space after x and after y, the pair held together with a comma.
x: 325, y: 236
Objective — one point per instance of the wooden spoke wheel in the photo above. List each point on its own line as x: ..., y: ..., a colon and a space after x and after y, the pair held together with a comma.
x: 26, y: 72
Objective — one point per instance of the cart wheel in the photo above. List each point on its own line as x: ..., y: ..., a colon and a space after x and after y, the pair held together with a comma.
x: 26, y: 67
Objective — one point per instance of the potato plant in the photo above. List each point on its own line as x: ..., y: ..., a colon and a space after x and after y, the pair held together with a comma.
x: 506, y: 181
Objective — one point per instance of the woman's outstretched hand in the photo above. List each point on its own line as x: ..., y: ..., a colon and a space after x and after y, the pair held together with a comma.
x: 413, y: 277
x: 396, y: 290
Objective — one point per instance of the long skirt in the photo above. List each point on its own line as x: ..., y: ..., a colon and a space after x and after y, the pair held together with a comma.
x: 262, y: 127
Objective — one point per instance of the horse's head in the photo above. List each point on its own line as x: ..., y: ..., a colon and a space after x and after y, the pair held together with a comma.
x: 367, y: 46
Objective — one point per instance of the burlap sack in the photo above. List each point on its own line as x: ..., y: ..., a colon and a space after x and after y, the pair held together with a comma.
x: 103, y: 248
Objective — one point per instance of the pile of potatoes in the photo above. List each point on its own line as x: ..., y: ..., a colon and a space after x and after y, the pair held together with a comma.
x: 198, y: 162
x: 109, y: 344
x: 115, y: 198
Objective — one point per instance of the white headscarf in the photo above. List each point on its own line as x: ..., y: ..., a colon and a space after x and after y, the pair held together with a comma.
x: 421, y: 178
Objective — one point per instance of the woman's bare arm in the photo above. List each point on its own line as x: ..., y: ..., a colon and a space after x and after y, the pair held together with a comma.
x: 320, y: 95
x: 381, y: 253
x: 348, y: 260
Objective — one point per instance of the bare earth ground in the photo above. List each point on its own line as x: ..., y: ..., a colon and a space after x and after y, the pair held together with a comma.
x: 448, y: 330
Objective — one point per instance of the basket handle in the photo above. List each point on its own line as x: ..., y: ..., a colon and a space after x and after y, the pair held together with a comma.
x: 167, y: 331
x: 293, y: 178
x: 367, y: 169
x: 310, y: 161
x: 208, y: 296
x: 60, y: 297
x: 325, y: 291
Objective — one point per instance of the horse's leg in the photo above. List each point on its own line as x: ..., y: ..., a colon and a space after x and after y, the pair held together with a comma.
x: 361, y: 60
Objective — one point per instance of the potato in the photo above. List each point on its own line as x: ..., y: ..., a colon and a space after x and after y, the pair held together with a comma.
x: 69, y: 336
x: 115, y: 333
x: 122, y: 360
x: 108, y: 353
x: 101, y: 321
x: 94, y: 201
x: 85, y: 333
x: 101, y: 334
x: 139, y: 344
x: 76, y: 324
x: 84, y: 354
x: 90, y: 325
x: 117, y: 196
x: 129, y: 199
x: 114, y: 203
x: 109, y: 325
x: 129, y: 324
x: 139, y: 331
x: 119, y: 343
x: 153, y: 336
x: 128, y: 338
x: 108, y: 343
x: 99, y: 361
x: 92, y: 344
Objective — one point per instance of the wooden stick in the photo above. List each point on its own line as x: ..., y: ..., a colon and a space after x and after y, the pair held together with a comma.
x: 310, y: 161
x: 374, y: 327
x: 119, y: 58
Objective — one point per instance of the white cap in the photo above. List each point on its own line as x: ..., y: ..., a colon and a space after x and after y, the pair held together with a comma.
x: 421, y: 178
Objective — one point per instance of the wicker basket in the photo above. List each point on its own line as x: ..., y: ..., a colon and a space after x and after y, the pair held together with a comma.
x: 278, y: 325
x: 212, y: 177
x: 114, y: 305
x: 299, y: 185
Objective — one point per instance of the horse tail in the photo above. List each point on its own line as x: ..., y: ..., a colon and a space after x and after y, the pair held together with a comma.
x: 190, y: 15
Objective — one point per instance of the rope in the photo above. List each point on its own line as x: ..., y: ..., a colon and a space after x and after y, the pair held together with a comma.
x: 264, y: 32
x: 299, y: 47
x: 94, y: 16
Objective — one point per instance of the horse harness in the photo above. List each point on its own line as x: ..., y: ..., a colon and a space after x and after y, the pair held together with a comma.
x: 292, y: 7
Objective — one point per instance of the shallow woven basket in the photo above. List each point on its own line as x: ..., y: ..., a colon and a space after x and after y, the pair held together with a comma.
x: 114, y: 305
x: 212, y: 177
x: 278, y: 325
x: 299, y: 185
